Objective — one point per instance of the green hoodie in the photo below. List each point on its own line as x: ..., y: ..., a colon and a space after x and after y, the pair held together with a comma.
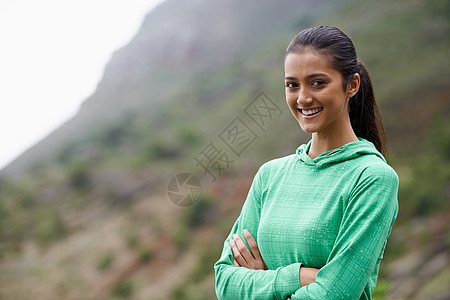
x: 334, y: 213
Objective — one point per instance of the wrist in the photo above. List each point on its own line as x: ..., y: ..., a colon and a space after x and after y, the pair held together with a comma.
x: 307, y: 275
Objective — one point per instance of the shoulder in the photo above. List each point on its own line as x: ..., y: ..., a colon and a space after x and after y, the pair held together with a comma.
x: 376, y: 184
x: 374, y: 167
x: 272, y: 169
x: 276, y: 165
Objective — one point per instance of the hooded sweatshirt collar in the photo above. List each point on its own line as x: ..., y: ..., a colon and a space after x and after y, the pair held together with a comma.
x: 345, y: 152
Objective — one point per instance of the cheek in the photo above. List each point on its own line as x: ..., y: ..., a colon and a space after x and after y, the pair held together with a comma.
x: 291, y: 100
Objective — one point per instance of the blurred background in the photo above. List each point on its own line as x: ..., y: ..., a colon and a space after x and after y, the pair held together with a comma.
x: 91, y: 211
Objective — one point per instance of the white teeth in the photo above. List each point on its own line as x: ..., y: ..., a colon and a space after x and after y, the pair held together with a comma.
x: 310, y: 111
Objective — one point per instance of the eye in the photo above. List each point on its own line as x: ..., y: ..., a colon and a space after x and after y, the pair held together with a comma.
x: 291, y: 85
x: 318, y: 83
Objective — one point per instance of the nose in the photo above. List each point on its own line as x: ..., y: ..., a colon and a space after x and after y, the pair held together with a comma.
x: 304, y: 98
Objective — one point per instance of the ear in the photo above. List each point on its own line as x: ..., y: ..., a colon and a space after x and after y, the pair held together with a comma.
x: 353, y: 86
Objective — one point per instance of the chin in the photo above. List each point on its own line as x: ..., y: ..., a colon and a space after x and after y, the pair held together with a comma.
x: 308, y: 129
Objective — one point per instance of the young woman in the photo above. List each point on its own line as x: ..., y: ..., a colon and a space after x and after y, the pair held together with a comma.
x: 315, y: 223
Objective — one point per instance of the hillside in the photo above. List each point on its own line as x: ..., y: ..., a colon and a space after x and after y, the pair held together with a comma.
x: 178, y: 42
x: 85, y: 214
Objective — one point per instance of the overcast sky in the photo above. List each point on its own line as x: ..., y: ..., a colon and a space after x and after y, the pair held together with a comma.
x: 52, y: 55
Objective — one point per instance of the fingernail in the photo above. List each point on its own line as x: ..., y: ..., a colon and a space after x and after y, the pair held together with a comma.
x: 235, y: 236
x: 246, y: 232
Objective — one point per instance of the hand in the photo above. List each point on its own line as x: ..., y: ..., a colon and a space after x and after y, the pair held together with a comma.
x: 242, y: 256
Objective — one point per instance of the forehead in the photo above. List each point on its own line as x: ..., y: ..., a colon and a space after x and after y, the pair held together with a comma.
x: 307, y: 62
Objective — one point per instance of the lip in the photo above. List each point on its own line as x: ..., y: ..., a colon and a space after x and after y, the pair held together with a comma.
x: 310, y: 116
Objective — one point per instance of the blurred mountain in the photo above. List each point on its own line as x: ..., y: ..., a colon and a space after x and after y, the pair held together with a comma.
x: 177, y: 42
x: 84, y: 214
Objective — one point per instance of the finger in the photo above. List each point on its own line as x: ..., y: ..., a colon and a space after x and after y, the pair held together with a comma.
x: 242, y: 248
x: 235, y: 263
x: 236, y: 254
x: 252, y: 244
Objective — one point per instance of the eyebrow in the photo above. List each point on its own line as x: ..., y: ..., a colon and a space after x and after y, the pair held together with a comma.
x: 310, y: 76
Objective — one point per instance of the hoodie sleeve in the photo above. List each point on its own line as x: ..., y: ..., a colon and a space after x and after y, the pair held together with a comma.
x: 366, y: 224
x: 241, y: 283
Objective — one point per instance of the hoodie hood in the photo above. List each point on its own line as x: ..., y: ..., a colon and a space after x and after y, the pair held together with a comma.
x: 345, y: 152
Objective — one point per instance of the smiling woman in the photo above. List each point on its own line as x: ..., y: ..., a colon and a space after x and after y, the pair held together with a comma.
x: 315, y: 223
x: 316, y: 98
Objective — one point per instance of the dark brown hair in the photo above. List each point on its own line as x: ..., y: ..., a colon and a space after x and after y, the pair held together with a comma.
x: 363, y: 109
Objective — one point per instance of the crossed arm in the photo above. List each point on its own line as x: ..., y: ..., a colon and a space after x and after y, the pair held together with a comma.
x: 243, y: 258
x: 352, y: 267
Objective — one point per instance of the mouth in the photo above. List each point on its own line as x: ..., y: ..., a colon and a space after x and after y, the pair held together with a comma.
x: 311, y: 112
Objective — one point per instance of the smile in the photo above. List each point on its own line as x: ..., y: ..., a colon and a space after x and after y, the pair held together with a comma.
x: 311, y: 112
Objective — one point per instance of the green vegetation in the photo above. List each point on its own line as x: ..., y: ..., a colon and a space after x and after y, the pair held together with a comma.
x: 50, y: 227
x: 106, y: 261
x: 207, y: 256
x: 381, y: 290
x: 144, y: 253
x: 123, y: 289
x: 180, y: 235
x: 78, y: 176
x: 136, y: 243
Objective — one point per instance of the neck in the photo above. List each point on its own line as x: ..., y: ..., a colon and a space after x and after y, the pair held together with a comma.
x: 322, y: 143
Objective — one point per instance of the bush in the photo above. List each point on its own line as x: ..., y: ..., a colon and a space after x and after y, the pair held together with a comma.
x: 50, y: 227
x: 78, y: 176
x: 180, y: 235
x: 131, y: 238
x: 123, y: 289
x: 106, y: 261
x: 144, y: 253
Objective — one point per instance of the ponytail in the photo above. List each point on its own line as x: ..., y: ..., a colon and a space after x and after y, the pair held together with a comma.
x: 365, y: 117
x: 364, y: 114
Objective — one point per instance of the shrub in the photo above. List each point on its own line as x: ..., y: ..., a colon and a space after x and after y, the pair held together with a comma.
x: 123, y: 289
x: 106, y: 261
x: 50, y: 227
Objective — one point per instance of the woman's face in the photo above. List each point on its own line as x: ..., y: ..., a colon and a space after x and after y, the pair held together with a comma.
x: 315, y: 93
